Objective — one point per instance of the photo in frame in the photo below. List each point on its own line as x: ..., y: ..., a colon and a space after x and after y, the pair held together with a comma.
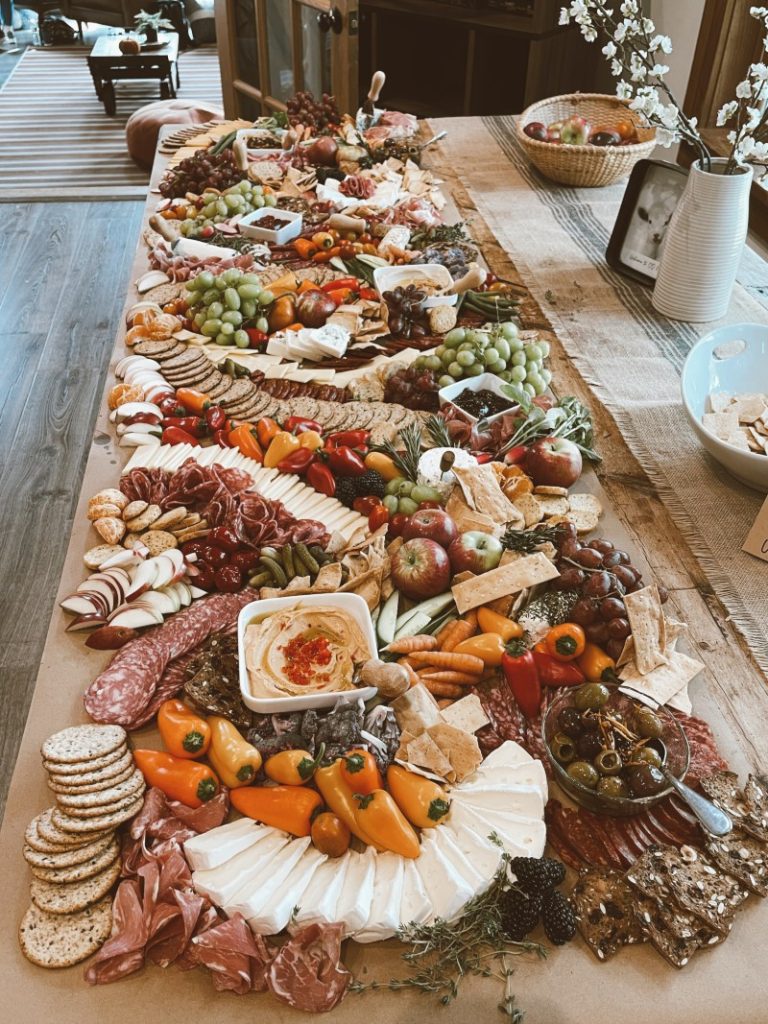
x: 653, y: 191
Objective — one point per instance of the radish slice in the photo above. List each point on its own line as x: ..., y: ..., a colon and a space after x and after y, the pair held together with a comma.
x: 85, y: 622
x: 157, y: 601
x: 196, y: 592
x: 125, y: 557
x: 166, y: 570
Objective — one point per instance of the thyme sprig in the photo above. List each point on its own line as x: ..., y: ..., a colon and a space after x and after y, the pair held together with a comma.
x: 442, y: 954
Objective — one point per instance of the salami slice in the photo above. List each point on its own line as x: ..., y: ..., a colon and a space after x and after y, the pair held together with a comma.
x: 307, y: 972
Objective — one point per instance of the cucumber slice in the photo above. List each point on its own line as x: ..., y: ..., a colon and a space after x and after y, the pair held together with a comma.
x: 386, y: 624
x: 432, y: 606
x: 414, y: 625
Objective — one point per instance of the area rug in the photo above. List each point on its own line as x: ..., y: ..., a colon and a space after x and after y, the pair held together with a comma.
x: 629, y: 354
x: 57, y: 140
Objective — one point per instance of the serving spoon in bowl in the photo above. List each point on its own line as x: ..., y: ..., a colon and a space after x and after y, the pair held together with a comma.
x: 710, y: 816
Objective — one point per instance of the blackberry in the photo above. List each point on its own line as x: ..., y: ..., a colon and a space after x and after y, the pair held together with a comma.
x: 538, y: 876
x: 370, y: 482
x: 558, y: 919
x: 520, y: 914
x: 346, y: 492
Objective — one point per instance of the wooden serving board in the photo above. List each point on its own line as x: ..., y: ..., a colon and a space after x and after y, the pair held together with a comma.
x: 728, y: 984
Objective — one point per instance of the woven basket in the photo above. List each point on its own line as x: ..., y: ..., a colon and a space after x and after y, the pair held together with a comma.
x: 585, y: 166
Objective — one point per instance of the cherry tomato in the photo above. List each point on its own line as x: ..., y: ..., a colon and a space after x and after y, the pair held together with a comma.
x: 330, y: 835
x: 205, y: 577
x: 378, y: 517
x: 229, y: 579
x: 366, y: 504
x: 245, y: 560
x: 396, y: 524
x: 224, y: 538
x: 213, y: 556
x: 430, y: 504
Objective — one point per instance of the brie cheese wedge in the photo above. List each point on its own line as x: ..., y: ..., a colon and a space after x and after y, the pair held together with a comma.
x: 522, y: 837
x: 509, y: 754
x: 262, y: 887
x: 476, y: 847
x: 384, y: 917
x: 447, y: 891
x: 354, y: 906
x: 415, y: 904
x: 210, y: 849
x: 276, y: 912
x: 220, y: 884
x: 318, y: 901
x: 527, y: 801
x: 509, y: 777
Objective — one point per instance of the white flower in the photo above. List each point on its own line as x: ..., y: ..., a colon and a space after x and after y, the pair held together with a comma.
x: 744, y: 89
x: 628, y: 7
x: 747, y: 146
x: 579, y: 9
x: 565, y: 16
x: 589, y: 33
x: 659, y: 70
x: 663, y: 43
x: 648, y: 27
x: 623, y: 90
x: 616, y: 68
x: 759, y: 72
x: 754, y: 117
x: 621, y: 31
x: 610, y: 49
x: 731, y: 137
x: 637, y: 68
x: 726, y: 112
x: 665, y: 137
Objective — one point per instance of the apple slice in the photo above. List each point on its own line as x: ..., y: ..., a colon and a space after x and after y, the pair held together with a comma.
x: 89, y: 621
x: 108, y: 589
x: 81, y: 604
x: 165, y: 572
x: 174, y: 597
x: 196, y: 592
x: 101, y: 602
x: 124, y: 558
x: 142, y: 580
x: 156, y: 600
x: 177, y: 557
x: 135, y: 618
x: 184, y: 592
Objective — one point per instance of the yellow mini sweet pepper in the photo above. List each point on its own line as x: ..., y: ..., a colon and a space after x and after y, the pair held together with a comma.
x: 490, y: 621
x: 311, y: 439
x: 235, y: 760
x: 421, y: 800
x: 386, y: 824
x: 281, y: 445
x: 488, y: 646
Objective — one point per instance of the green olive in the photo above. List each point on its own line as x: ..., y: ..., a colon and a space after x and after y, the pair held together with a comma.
x: 645, y: 780
x: 608, y: 762
x: 649, y: 756
x: 584, y: 773
x: 647, y: 723
x: 612, y: 785
x: 591, y: 696
x: 563, y: 748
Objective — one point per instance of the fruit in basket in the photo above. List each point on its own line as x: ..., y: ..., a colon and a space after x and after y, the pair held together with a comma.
x: 553, y: 462
x: 432, y: 523
x: 575, y: 131
x: 420, y: 569
x: 475, y: 551
x: 605, y: 137
x: 313, y: 308
x: 536, y: 130
x: 323, y: 151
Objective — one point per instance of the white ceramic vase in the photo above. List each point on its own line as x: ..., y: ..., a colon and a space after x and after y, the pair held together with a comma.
x: 703, y: 245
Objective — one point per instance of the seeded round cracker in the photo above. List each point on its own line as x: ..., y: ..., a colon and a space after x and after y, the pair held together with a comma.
x: 80, y: 825
x: 49, y: 831
x: 553, y: 492
x: 62, y: 940
x: 74, y: 896
x: 33, y: 838
x: 79, y: 872
x: 103, y: 797
x: 87, y: 765
x: 109, y: 775
x: 66, y: 858
x: 81, y: 743
x: 99, y: 810
x: 92, y: 787
x: 552, y: 505
x: 152, y: 348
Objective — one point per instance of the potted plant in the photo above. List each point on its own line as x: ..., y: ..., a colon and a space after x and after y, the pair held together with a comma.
x: 148, y: 24
x: 706, y: 234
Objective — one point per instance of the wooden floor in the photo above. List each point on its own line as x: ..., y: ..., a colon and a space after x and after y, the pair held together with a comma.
x: 62, y: 287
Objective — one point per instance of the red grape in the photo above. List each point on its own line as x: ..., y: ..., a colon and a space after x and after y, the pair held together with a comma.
x: 599, y: 584
x: 619, y: 629
x: 589, y: 558
x: 612, y: 608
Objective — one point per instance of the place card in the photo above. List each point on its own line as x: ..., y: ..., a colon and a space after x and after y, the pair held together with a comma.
x: 757, y: 539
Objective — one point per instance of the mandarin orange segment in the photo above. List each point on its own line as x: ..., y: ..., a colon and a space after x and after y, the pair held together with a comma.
x: 121, y: 394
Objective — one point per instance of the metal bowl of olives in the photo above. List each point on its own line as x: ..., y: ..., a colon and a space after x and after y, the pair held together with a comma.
x: 606, y: 749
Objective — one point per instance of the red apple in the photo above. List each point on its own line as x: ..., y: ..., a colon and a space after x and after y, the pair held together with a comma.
x: 536, y: 130
x: 475, y: 551
x: 420, y: 568
x: 433, y: 523
x: 553, y: 462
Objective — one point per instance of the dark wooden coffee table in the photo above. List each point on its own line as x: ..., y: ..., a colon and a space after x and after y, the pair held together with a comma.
x: 108, y: 65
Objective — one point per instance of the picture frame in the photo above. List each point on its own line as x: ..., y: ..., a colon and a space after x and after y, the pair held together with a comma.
x: 653, y: 191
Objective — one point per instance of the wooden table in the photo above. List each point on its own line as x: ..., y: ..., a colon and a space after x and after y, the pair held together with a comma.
x: 728, y: 984
x: 107, y: 65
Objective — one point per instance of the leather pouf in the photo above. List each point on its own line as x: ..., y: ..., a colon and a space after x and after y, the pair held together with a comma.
x: 144, y: 125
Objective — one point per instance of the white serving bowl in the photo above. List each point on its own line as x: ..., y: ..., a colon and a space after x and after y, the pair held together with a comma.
x: 352, y: 604
x: 744, y: 372
x: 249, y: 225
x: 386, y: 279
x: 483, y: 382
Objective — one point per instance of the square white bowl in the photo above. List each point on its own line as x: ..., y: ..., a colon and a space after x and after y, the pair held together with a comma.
x: 387, y: 278
x: 243, y: 134
x: 249, y: 225
x: 483, y: 382
x: 352, y: 604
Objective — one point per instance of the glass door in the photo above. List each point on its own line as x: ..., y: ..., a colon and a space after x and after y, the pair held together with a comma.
x: 270, y: 49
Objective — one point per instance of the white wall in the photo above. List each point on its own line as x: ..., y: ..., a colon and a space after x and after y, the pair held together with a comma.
x: 679, y: 19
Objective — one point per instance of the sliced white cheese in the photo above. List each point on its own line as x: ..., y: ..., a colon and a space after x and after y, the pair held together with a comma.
x: 475, y: 846
x: 354, y: 905
x: 530, y: 774
x: 222, y: 883
x: 527, y: 801
x: 522, y: 837
x: 508, y: 754
x: 415, y: 904
x: 210, y: 849
x: 384, y: 917
x: 262, y: 887
x: 276, y: 912
x: 207, y: 456
x: 462, y: 867
x: 448, y: 892
x: 318, y: 901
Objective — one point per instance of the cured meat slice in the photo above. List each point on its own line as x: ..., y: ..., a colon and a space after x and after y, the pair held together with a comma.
x: 307, y: 972
x: 237, y: 958
x: 171, y: 682
x: 159, y: 816
x: 123, y: 952
x: 172, y: 927
x: 705, y: 757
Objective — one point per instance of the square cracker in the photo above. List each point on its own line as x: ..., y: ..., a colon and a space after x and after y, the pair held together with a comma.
x: 646, y: 617
x: 722, y: 424
x: 416, y: 710
x: 466, y: 713
x: 530, y: 507
x: 460, y: 747
x: 425, y: 752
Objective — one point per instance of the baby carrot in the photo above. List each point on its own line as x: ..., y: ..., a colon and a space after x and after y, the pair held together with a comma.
x: 442, y: 689
x: 456, y: 662
x: 409, y: 644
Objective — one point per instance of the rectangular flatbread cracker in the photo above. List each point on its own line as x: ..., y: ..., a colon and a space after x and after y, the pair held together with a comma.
x: 646, y: 617
x: 664, y: 681
x: 482, y: 492
x: 425, y: 752
x: 466, y: 714
x: 460, y: 747
x: 503, y: 581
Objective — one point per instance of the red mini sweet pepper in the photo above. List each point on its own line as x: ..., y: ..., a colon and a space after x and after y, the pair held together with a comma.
x: 215, y: 417
x: 520, y: 672
x: 299, y: 424
x: 321, y: 478
x: 556, y: 673
x: 344, y: 461
x: 347, y: 439
x: 174, y: 435
x: 297, y: 461
x: 194, y: 425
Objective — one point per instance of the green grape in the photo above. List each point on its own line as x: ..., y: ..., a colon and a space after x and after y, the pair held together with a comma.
x: 537, y: 382
x: 490, y: 355
x: 203, y: 281
x: 232, y: 299
x: 422, y: 492
x: 446, y: 380
x: 545, y: 348
x: 211, y: 328
x: 221, y: 284
x: 187, y: 226
x: 232, y: 276
x: 390, y: 503
x: 474, y: 371
x: 407, y: 506
x: 433, y: 363
x: 258, y: 202
x: 477, y: 338
x: 509, y: 331
x: 241, y: 339
x: 243, y: 186
x: 456, y: 370
x: 533, y: 352
x: 227, y: 329
x: 262, y: 324
x: 209, y: 296
x: 233, y: 202
x: 232, y: 317
x: 200, y: 319
x: 465, y: 357
x: 266, y: 298
x: 215, y: 309
x: 517, y: 373
x: 546, y: 376
x: 502, y: 347
x: 440, y: 351
x: 248, y: 309
x: 258, y: 189
x: 270, y: 200
x: 448, y: 356
x: 250, y: 279
x: 455, y: 337
x: 223, y: 339
x: 220, y: 207
x: 532, y: 367
x: 518, y: 359
x: 248, y: 291
x: 419, y: 363
x: 529, y: 389
x: 516, y: 345
x: 506, y: 375
x: 498, y: 367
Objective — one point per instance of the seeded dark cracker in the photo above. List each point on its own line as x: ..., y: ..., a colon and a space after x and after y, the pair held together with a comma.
x: 744, y: 857
x: 224, y: 384
x: 213, y: 681
x: 603, y: 902
x: 756, y: 799
x: 154, y: 348
x: 675, y: 949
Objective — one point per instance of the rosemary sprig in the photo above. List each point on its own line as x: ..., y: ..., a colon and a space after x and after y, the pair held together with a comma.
x: 407, y: 460
x: 443, y: 954
x: 527, y: 541
x: 438, y: 432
